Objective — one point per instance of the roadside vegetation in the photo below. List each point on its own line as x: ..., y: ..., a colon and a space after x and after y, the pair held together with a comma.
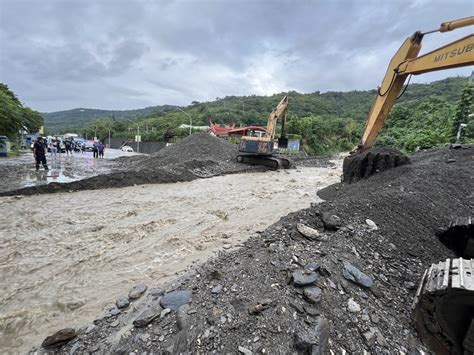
x: 15, y: 117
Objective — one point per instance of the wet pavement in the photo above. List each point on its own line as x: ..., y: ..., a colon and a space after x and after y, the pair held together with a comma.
x: 19, y: 172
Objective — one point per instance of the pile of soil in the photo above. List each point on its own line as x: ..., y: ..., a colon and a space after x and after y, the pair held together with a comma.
x: 369, y: 246
x: 362, y: 165
x: 197, y: 156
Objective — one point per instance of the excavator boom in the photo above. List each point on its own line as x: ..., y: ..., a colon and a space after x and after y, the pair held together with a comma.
x: 405, y: 62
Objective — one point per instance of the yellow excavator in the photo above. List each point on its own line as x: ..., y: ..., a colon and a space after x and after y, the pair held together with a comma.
x: 260, y: 150
x: 404, y: 63
x: 443, y: 309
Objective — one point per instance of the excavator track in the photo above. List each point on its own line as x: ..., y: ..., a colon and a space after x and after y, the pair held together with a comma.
x: 273, y: 162
x: 443, y: 308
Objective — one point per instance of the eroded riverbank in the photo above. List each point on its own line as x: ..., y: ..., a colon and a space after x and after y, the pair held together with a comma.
x: 65, y: 256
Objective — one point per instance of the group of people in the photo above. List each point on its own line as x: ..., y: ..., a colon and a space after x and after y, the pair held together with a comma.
x: 40, y: 149
x: 98, y: 149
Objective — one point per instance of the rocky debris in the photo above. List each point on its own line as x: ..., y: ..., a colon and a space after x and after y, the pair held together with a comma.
x: 313, y: 341
x: 175, y: 299
x: 312, y: 294
x: 351, y: 273
x: 217, y: 289
x: 137, y: 291
x: 147, y: 316
x: 244, y: 351
x: 308, y: 232
x: 353, y: 306
x: 259, y: 269
x: 304, y: 277
x: 182, y: 316
x: 122, y: 302
x: 331, y: 221
x: 110, y: 311
x: 261, y: 306
x: 371, y: 224
x: 59, y: 338
x: 312, y: 266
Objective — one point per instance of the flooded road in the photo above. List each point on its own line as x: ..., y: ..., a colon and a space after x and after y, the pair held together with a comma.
x: 20, y: 171
x: 64, y: 256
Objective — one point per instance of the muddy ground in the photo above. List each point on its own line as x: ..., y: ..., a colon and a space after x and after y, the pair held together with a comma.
x: 252, y: 300
x: 19, y: 172
x: 197, y: 156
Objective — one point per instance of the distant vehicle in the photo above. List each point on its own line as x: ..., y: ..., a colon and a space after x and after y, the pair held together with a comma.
x: 89, y: 146
x: 127, y: 148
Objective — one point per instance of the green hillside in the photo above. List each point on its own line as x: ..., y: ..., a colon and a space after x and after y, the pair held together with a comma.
x: 326, y: 122
x: 78, y: 118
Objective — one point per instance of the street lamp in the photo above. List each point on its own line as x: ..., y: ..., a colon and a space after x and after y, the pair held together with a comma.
x: 138, y: 134
x: 190, y: 120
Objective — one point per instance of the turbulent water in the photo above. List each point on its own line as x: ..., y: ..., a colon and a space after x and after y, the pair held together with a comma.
x: 63, y: 257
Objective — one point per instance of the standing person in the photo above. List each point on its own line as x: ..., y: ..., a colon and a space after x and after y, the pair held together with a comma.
x: 101, y: 148
x: 68, y: 145
x: 57, y: 143
x: 95, y: 149
x: 83, y: 147
x: 53, y: 148
x: 39, y: 152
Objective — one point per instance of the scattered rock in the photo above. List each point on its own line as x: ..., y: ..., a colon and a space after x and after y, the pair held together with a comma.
x: 111, y: 311
x: 165, y: 312
x: 308, y: 232
x: 304, y: 277
x: 244, y: 351
x: 313, y: 341
x: 331, y: 222
x: 312, y: 294
x: 371, y: 224
x: 137, y: 291
x: 59, y: 338
x: 217, y: 289
x: 312, y: 266
x: 147, y: 316
x: 261, y: 306
x: 351, y: 273
x: 175, y: 299
x: 122, y: 302
x: 312, y: 311
x: 115, y: 323
x: 353, y: 306
x: 182, y: 316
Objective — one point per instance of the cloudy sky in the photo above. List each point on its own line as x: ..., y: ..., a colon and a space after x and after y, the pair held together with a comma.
x: 124, y: 54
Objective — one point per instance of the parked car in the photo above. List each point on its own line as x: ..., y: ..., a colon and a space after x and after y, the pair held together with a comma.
x: 127, y: 148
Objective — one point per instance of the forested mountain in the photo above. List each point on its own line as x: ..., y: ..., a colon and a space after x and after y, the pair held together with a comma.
x: 326, y: 122
x: 78, y: 118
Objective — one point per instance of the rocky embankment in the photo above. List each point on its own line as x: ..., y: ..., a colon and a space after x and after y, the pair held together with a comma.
x: 338, y: 276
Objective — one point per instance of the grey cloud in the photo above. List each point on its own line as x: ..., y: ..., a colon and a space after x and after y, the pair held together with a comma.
x: 128, y: 53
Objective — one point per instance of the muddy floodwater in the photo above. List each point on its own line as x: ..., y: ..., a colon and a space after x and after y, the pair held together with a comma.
x: 19, y: 172
x: 65, y: 256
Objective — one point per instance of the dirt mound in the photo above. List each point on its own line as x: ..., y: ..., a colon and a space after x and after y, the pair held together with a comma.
x: 197, y: 156
x: 362, y: 165
x: 366, y: 252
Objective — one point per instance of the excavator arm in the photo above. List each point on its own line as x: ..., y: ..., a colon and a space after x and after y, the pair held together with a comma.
x: 405, y: 62
x: 279, y: 111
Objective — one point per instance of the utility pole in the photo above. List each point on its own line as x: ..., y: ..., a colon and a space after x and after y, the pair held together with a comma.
x: 138, y: 140
x: 109, y: 138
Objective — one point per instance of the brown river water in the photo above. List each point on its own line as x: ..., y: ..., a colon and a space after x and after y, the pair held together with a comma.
x: 63, y: 257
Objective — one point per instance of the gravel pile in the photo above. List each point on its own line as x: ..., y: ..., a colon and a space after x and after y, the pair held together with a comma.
x: 337, y: 276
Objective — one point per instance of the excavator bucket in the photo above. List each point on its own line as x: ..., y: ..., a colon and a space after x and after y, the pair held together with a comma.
x: 362, y: 165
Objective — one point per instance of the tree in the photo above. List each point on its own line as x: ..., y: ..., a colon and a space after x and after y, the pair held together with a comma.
x: 463, y: 109
x: 14, y: 117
